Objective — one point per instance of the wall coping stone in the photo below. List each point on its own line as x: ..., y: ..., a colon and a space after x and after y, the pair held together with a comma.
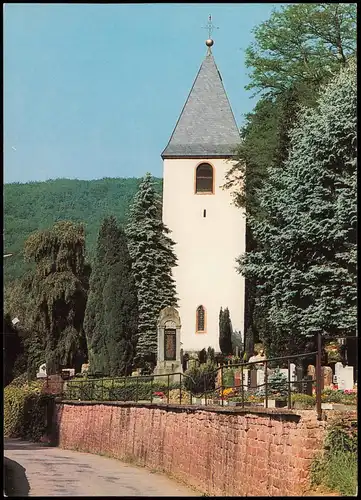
x: 276, y: 413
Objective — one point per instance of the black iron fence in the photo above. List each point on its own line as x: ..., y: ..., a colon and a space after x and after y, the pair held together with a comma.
x: 251, y: 384
x: 256, y: 383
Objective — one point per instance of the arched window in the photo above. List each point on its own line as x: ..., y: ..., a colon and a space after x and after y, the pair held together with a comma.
x: 204, y: 178
x: 201, y: 319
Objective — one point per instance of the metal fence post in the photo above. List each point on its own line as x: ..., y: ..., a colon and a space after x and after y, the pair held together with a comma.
x: 180, y: 388
x: 222, y: 396
x: 102, y: 393
x: 151, y: 389
x: 266, y: 382
x: 289, y: 383
x: 242, y: 386
x: 136, y: 390
x: 318, y: 376
x: 168, y: 391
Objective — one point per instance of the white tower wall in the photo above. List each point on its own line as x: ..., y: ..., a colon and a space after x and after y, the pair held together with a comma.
x: 206, y: 247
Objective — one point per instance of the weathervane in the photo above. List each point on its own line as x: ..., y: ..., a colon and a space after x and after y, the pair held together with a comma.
x: 210, y: 27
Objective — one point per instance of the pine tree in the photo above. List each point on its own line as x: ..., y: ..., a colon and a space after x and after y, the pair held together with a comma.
x: 225, y: 332
x: 152, y: 254
x: 112, y: 311
x: 305, y: 261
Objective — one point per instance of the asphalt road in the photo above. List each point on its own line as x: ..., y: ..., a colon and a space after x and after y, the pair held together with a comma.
x: 38, y: 470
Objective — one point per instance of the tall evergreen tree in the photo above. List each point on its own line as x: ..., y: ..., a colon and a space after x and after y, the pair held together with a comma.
x: 320, y: 38
x: 305, y: 261
x: 225, y: 332
x: 153, y: 258
x: 112, y: 311
x: 58, y: 292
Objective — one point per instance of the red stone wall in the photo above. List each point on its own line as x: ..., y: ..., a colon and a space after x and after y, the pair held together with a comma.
x: 219, y: 452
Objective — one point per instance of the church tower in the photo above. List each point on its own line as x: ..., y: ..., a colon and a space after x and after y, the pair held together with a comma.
x: 209, y: 231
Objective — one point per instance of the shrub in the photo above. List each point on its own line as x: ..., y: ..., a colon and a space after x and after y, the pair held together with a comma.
x: 210, y: 355
x: 200, y: 379
x: 202, y: 356
x: 306, y: 400
x: 336, y: 468
x: 174, y: 397
x: 25, y: 411
x: 277, y: 383
x: 228, y: 377
x: 116, y: 390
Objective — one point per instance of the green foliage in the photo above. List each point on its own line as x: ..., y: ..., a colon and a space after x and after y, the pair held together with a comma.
x: 225, y: 332
x: 306, y: 401
x: 301, y: 42
x: 13, y: 350
x: 277, y: 383
x: 111, y: 316
x: 300, y: 47
x: 202, y: 356
x: 57, y: 293
x: 199, y: 379
x: 336, y: 468
x: 38, y: 205
x: 24, y: 410
x: 151, y: 250
x: 228, y: 377
x: 210, y: 354
x: 305, y: 262
x: 125, y: 389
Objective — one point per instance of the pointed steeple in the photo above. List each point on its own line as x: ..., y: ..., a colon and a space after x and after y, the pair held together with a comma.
x: 206, y: 126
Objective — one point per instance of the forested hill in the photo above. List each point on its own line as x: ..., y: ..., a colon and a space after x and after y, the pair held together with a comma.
x: 37, y: 205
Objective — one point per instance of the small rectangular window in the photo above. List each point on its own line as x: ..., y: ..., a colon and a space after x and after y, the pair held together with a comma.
x: 204, y: 213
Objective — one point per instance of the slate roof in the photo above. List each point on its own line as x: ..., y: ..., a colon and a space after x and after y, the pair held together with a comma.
x: 206, y: 126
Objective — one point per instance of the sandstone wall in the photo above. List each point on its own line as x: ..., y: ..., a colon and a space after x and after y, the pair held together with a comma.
x: 219, y: 452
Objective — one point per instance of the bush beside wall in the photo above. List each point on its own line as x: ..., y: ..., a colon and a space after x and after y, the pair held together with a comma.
x: 27, y: 412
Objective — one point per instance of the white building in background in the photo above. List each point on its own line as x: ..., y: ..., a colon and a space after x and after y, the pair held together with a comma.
x: 208, y: 229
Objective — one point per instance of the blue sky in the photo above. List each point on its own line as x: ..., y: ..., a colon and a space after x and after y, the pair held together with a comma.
x: 94, y: 91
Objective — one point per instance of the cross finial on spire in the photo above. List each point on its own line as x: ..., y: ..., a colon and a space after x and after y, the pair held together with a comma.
x: 210, y: 27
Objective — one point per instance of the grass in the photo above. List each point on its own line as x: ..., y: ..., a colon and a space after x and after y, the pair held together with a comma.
x: 341, y: 473
x: 338, y: 472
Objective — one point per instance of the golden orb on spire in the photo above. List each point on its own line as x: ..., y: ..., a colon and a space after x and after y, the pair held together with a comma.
x: 209, y: 42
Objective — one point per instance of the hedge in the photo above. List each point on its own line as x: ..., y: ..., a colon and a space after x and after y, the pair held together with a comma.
x: 25, y: 411
x: 109, y: 390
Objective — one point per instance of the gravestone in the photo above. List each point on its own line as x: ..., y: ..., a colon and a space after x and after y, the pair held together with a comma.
x: 293, y: 376
x: 245, y: 379
x: 85, y: 368
x: 326, y: 377
x: 338, y: 368
x: 311, y: 370
x: 237, y: 379
x: 307, y: 385
x: 299, y: 378
x: 42, y: 371
x: 252, y: 381
x: 168, y: 352
x: 345, y: 378
x: 260, y: 379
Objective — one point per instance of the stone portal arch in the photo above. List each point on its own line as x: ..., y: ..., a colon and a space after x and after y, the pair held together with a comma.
x: 168, y: 353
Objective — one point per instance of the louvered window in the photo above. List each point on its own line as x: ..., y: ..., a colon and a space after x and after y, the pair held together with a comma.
x: 201, y: 319
x: 204, y: 178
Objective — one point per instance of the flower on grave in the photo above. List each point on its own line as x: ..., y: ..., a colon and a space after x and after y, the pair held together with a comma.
x: 159, y: 394
x: 227, y: 392
x: 350, y: 391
